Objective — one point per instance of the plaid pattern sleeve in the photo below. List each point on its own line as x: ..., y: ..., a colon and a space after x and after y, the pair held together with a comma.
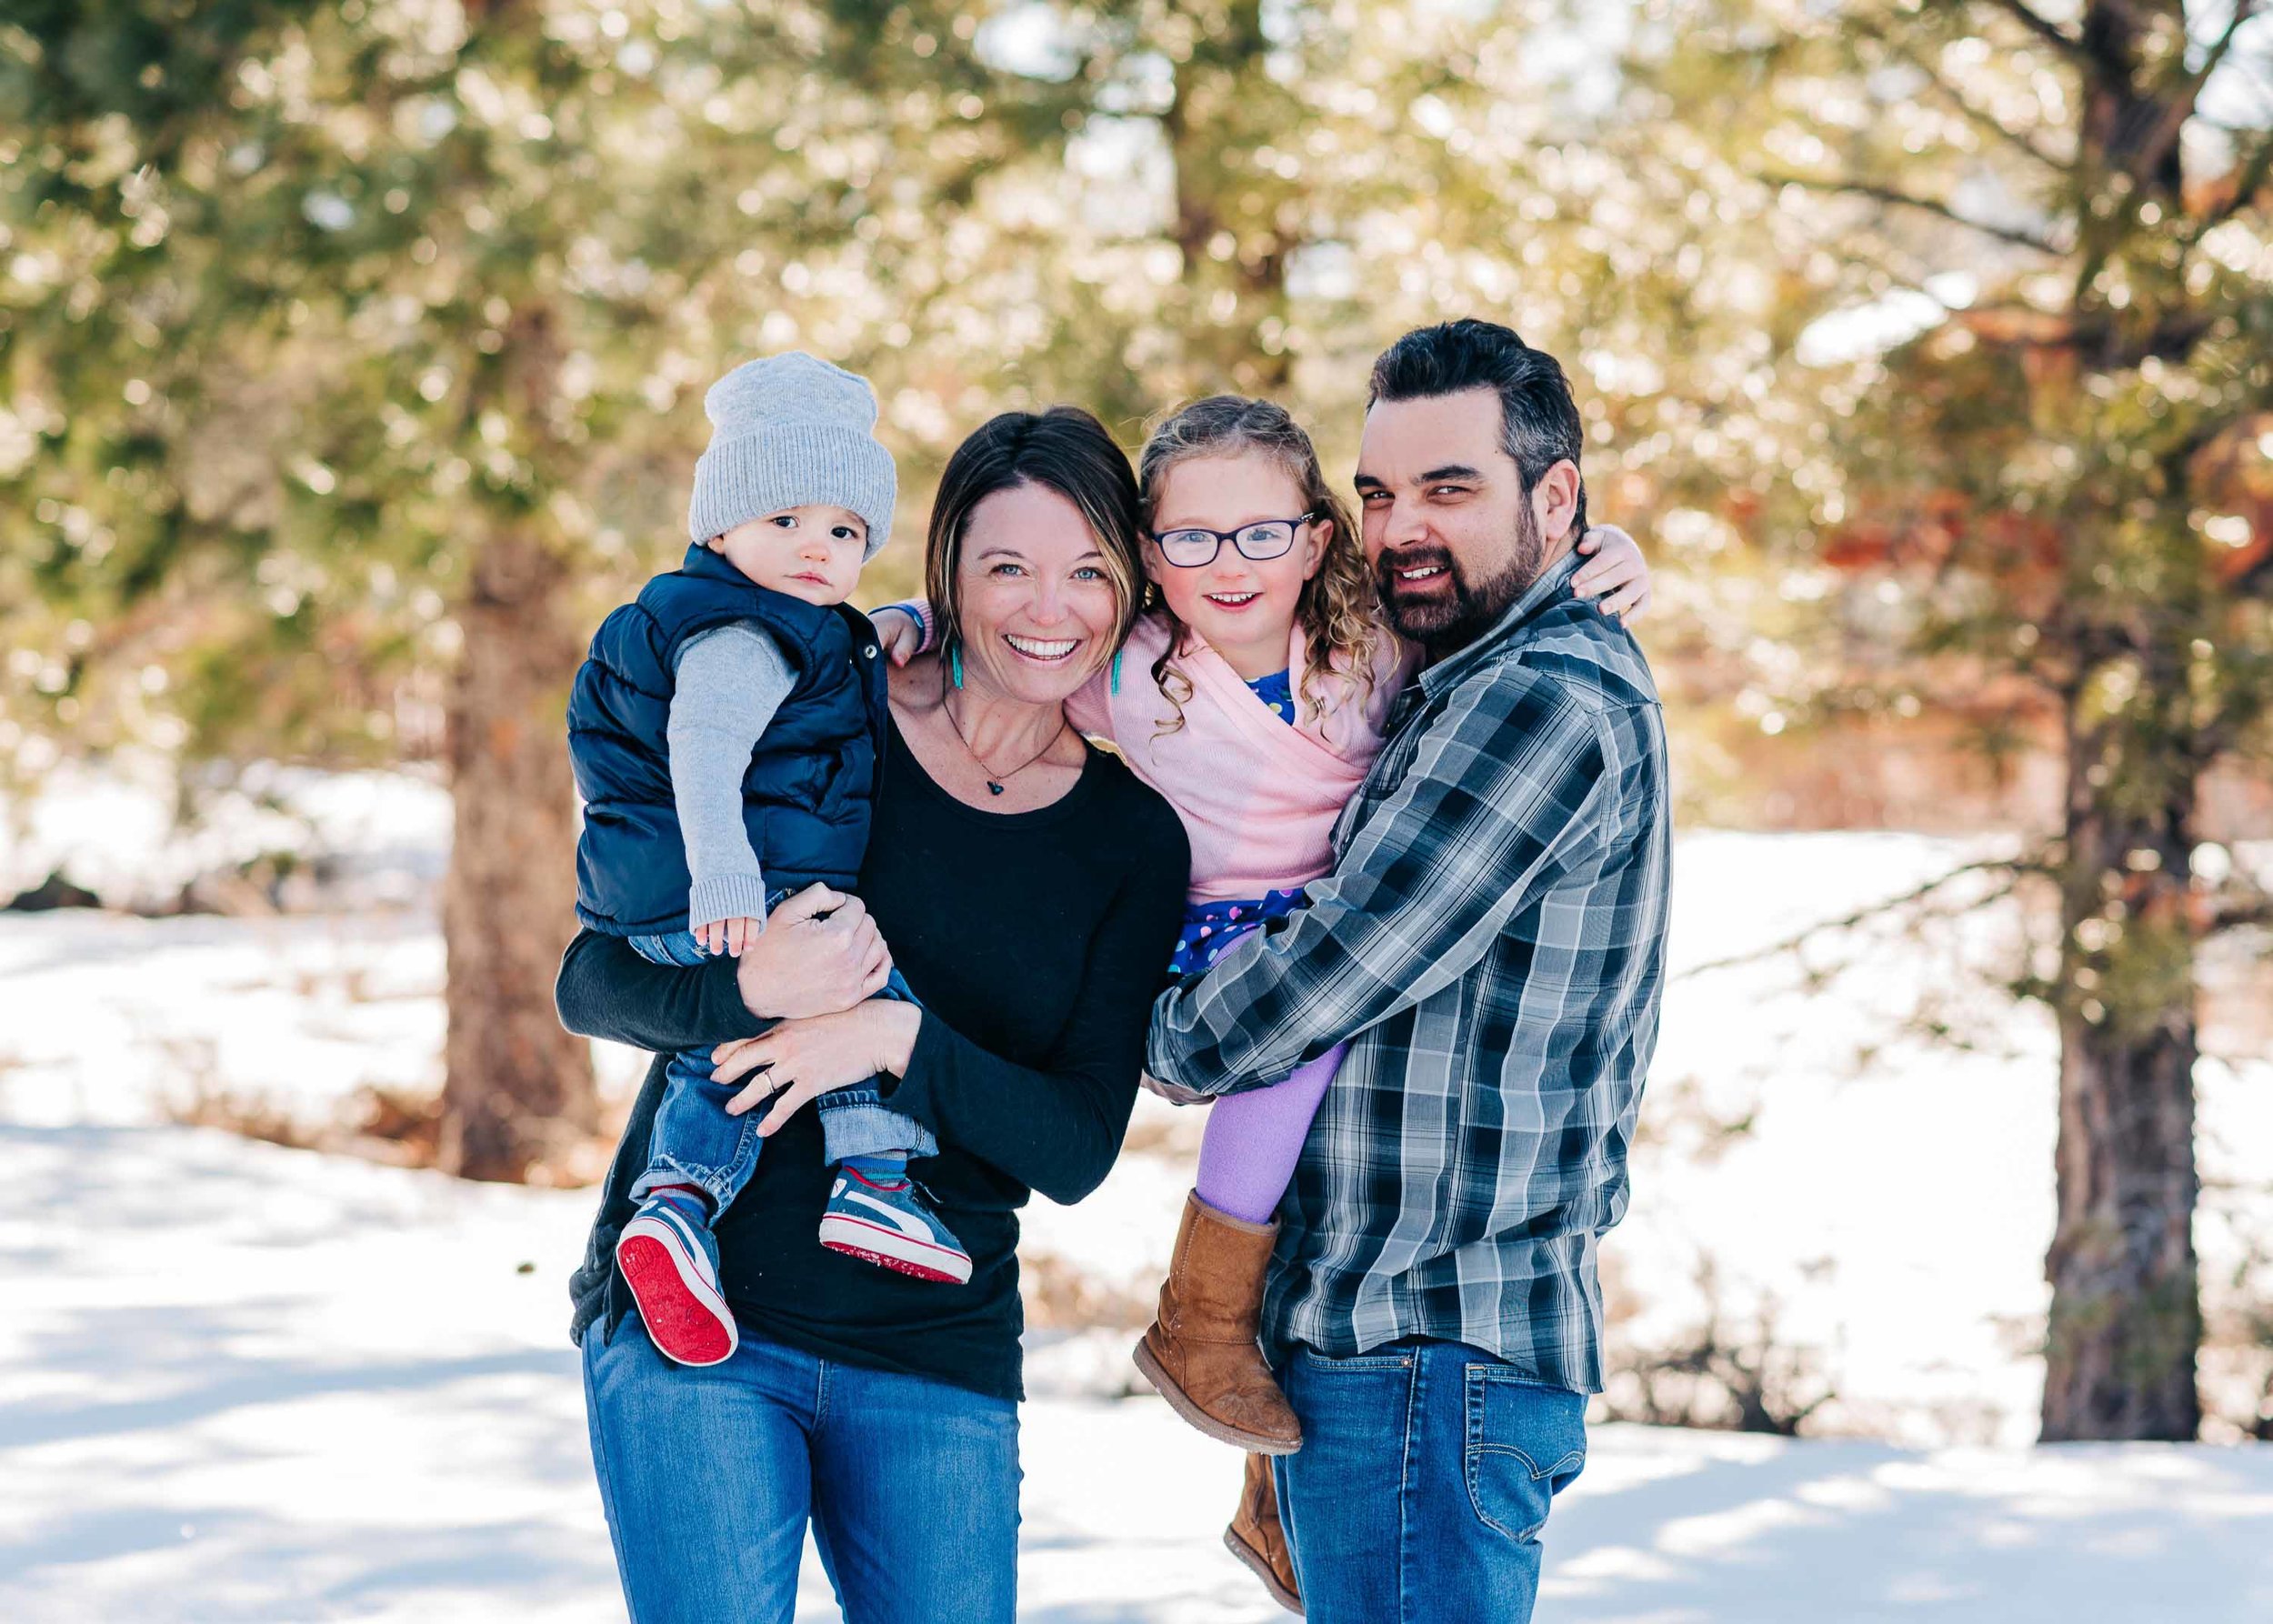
x: 1491, y: 943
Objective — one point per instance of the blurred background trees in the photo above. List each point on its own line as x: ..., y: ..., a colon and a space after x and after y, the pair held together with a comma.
x: 354, y: 357
x: 2052, y: 488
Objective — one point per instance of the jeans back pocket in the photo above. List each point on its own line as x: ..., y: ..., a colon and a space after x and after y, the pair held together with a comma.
x: 1526, y: 1442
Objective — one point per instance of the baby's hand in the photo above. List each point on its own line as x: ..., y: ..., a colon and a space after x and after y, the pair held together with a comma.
x: 1617, y: 574
x: 728, y: 935
x: 900, y: 633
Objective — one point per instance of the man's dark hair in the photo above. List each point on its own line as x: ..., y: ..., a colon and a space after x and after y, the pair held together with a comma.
x: 1539, y: 420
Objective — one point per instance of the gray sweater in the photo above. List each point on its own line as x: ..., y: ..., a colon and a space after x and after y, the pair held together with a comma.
x: 731, y: 681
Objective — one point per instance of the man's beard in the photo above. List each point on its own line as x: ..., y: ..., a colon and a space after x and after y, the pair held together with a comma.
x: 1445, y: 620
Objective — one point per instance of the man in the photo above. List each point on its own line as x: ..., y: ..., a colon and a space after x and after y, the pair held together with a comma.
x: 1491, y: 943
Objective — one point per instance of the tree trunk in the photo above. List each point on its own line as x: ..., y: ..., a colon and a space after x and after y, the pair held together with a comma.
x: 1223, y: 306
x: 518, y: 1099
x: 2126, y: 1317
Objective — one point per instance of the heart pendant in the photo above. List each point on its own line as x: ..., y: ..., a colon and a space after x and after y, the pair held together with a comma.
x: 993, y: 788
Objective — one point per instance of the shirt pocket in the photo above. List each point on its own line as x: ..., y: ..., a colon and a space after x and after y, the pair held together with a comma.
x: 1526, y: 1442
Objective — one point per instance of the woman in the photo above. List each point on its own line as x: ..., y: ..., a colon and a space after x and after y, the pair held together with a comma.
x: 1030, y: 890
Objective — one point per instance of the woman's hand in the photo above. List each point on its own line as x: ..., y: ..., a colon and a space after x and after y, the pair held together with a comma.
x: 802, y: 964
x: 803, y: 1059
x: 1618, y: 574
x: 899, y: 633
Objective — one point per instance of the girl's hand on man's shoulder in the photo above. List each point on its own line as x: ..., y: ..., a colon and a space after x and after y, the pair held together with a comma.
x: 1616, y: 574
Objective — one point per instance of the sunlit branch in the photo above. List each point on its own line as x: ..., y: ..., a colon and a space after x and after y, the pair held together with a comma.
x: 2235, y: 918
x: 1978, y: 116
x: 2157, y: 145
x: 2008, y: 234
x: 2014, y: 871
x: 2249, y: 179
x: 2043, y: 27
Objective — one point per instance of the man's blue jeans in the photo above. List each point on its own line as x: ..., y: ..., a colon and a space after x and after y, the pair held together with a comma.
x: 695, y: 1142
x: 710, y: 1473
x: 1426, y: 1473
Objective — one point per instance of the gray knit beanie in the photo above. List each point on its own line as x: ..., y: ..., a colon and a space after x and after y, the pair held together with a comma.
x: 786, y: 430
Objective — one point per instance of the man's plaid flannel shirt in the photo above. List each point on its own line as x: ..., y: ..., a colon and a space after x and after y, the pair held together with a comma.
x: 1492, y: 944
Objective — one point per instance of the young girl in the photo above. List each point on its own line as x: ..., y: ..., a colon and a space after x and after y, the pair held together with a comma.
x: 1250, y: 696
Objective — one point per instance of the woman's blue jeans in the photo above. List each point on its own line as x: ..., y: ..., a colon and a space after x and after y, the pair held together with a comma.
x: 710, y: 1474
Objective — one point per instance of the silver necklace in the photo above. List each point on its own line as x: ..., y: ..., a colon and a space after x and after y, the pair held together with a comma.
x: 996, y: 782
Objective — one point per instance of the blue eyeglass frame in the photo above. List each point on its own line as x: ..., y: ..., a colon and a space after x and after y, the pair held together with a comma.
x: 1294, y: 525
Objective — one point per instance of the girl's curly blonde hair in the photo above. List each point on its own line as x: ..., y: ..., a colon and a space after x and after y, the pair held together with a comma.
x: 1342, y: 636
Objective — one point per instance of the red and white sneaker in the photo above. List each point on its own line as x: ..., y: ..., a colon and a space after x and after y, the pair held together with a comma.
x: 671, y: 1263
x: 888, y: 1225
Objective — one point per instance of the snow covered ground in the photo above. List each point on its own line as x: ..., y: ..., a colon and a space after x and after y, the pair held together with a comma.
x: 1873, y: 1206
x: 217, y: 1405
x: 246, y: 1383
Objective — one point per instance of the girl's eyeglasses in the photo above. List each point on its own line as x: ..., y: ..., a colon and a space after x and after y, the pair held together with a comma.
x: 1196, y: 549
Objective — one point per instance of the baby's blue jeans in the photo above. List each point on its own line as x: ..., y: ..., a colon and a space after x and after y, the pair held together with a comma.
x: 696, y: 1142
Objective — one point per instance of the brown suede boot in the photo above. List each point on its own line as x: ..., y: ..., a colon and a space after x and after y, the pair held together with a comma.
x: 1200, y: 1352
x: 1256, y: 1537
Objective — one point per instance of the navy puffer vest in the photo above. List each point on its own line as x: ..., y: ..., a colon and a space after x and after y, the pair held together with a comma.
x: 810, y: 789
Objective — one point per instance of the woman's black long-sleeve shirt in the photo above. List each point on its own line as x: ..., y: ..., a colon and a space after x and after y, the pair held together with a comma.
x: 1035, y: 941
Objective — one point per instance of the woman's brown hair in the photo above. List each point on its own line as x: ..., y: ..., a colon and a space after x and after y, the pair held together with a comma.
x: 1065, y: 450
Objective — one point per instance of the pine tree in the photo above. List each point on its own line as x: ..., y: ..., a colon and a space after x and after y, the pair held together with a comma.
x: 354, y: 354
x: 2052, y: 478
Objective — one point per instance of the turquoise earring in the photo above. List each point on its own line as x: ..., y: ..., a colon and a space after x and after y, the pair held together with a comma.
x: 1115, y: 682
x: 954, y: 663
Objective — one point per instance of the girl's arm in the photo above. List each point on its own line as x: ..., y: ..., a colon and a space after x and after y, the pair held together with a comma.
x: 1616, y: 573
x: 1089, y: 707
x: 906, y: 629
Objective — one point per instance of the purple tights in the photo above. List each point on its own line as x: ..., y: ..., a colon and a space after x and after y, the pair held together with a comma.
x: 1247, y: 1155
